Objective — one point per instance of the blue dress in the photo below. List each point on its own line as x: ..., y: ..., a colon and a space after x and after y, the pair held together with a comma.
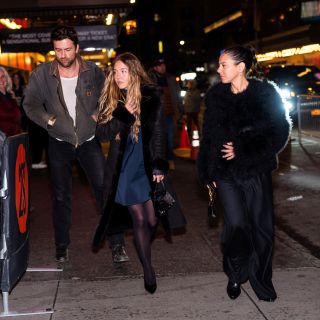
x: 133, y: 185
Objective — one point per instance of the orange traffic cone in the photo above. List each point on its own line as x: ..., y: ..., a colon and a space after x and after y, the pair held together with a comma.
x: 184, y: 147
x: 195, y: 143
x: 184, y: 138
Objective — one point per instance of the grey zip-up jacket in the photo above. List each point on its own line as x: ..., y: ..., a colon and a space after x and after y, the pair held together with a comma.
x: 44, y: 99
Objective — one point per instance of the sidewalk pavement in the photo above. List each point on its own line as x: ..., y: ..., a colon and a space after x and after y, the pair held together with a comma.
x: 192, y: 296
x: 190, y: 282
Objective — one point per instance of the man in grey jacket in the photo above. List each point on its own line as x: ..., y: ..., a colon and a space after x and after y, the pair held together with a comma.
x: 62, y: 97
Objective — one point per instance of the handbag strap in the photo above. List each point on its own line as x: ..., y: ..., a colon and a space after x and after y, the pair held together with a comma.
x: 212, y: 192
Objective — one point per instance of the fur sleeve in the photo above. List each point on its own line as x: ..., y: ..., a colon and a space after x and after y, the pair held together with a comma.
x: 123, y: 115
x: 158, y: 140
x: 269, y: 133
x: 122, y: 119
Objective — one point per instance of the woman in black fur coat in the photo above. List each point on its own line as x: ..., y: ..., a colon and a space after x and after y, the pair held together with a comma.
x: 245, y: 127
x: 131, y: 118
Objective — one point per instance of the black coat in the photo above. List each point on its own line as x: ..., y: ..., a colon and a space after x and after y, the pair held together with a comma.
x: 115, y: 217
x: 254, y: 120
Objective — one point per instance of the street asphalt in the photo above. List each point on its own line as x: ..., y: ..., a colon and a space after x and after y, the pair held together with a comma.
x: 191, y: 284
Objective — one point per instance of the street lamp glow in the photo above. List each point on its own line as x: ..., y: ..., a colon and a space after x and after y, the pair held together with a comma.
x: 188, y: 76
x: 132, y: 1
x: 182, y: 42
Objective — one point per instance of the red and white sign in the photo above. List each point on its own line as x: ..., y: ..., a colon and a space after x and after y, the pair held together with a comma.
x: 21, y: 188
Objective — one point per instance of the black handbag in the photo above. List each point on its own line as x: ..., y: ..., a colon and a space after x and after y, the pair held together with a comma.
x: 162, y: 199
x: 212, y: 213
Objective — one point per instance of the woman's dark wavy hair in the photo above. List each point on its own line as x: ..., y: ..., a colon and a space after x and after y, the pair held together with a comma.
x: 247, y: 55
x: 21, y: 79
x: 64, y: 32
x: 22, y: 83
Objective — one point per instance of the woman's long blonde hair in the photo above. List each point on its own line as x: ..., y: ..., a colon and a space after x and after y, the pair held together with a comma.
x: 111, y: 93
x: 9, y: 80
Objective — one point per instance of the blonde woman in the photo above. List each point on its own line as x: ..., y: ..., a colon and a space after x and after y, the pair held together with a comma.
x: 9, y: 110
x: 131, y: 119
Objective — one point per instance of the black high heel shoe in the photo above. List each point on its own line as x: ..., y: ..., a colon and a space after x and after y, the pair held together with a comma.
x: 233, y: 290
x: 151, y: 288
x: 151, y: 284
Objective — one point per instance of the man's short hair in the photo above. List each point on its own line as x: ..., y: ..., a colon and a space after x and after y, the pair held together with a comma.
x: 64, y: 32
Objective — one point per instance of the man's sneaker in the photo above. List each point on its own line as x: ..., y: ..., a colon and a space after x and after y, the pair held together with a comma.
x: 62, y: 254
x: 119, y: 254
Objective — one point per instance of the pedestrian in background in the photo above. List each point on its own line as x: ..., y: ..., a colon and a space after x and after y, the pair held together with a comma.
x: 191, y: 106
x: 18, y: 87
x: 9, y: 110
x: 245, y: 127
x: 171, y: 102
x: 131, y: 118
x: 38, y: 137
x: 62, y: 97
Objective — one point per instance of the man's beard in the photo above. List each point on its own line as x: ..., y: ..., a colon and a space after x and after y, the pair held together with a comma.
x: 66, y: 63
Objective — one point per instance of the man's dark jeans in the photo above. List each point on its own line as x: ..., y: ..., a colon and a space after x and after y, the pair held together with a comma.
x: 62, y: 156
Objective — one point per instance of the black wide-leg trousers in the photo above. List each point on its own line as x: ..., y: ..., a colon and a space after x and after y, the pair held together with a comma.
x: 247, y: 238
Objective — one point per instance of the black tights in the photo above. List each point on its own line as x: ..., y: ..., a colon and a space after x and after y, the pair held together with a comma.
x: 144, y: 225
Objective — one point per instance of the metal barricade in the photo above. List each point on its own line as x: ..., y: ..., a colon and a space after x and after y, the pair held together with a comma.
x: 14, y: 220
x: 308, y: 108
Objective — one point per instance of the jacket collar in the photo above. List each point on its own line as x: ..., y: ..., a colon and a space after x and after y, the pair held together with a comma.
x: 225, y: 88
x: 83, y: 66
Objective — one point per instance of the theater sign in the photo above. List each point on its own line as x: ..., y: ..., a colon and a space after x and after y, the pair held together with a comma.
x: 38, y: 40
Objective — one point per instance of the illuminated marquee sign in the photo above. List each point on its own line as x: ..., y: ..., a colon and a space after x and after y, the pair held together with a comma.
x: 38, y: 40
x: 288, y: 52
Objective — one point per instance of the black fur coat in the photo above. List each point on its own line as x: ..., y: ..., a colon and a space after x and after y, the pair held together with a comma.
x: 254, y: 120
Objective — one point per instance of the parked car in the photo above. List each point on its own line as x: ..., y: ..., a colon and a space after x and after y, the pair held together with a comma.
x: 295, y: 80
